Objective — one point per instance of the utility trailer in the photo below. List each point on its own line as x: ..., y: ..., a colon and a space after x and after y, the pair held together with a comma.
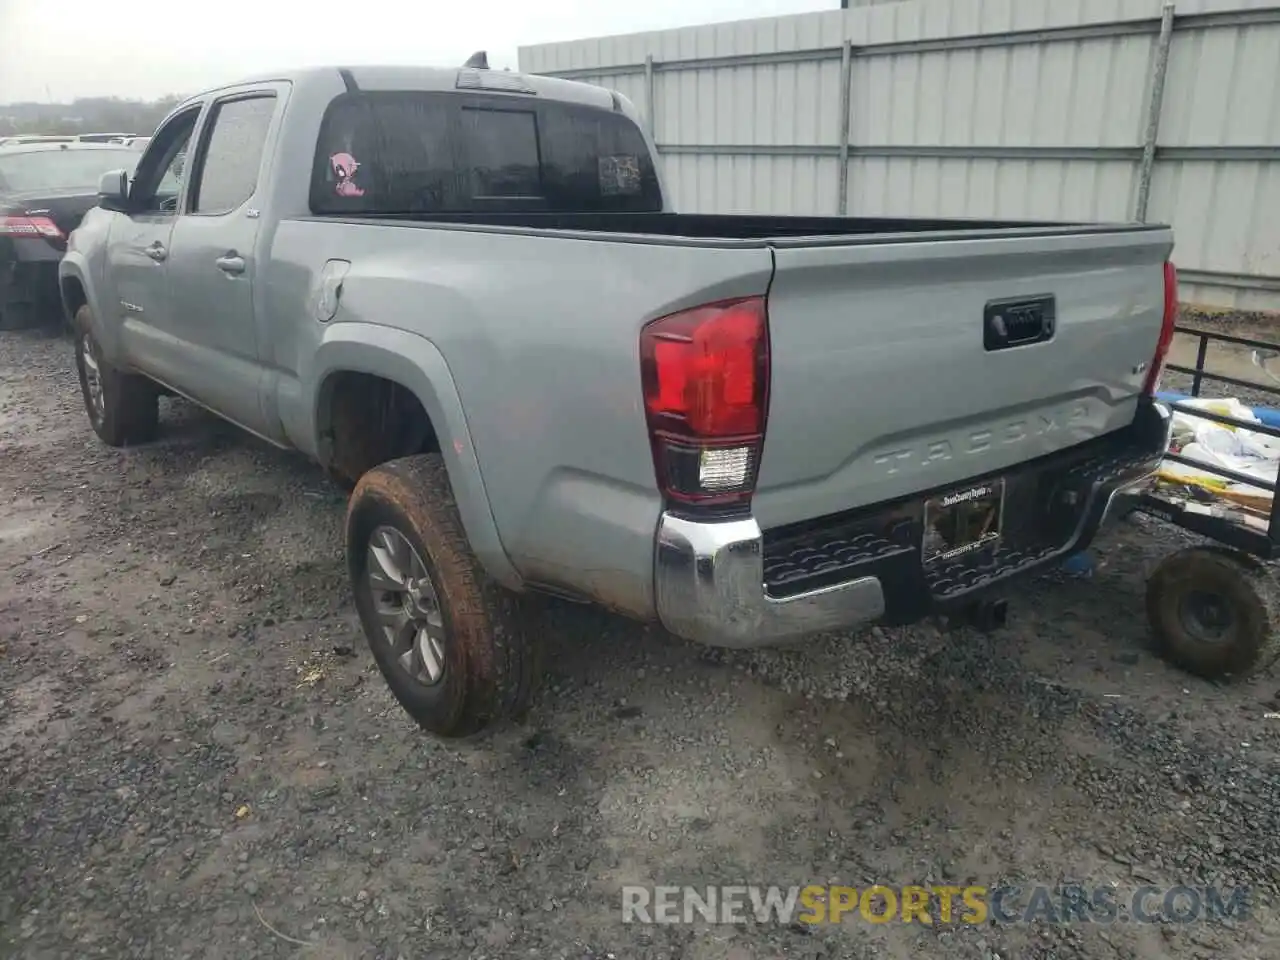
x: 1213, y: 607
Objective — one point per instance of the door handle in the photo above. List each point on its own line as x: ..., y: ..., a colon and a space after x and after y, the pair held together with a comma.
x: 231, y: 263
x: 157, y: 252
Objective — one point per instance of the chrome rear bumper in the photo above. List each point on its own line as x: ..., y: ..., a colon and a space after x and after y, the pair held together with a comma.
x: 710, y: 588
x: 712, y: 584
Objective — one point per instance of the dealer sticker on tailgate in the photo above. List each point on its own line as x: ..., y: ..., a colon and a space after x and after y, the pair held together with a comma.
x: 960, y: 521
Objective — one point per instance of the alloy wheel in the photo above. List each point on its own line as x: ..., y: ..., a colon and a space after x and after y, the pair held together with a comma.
x: 407, y: 605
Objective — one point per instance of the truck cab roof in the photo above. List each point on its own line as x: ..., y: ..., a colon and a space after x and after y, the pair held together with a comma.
x: 430, y: 79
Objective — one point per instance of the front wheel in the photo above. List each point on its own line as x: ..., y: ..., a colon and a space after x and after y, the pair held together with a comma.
x: 450, y: 643
x: 123, y: 408
x: 1212, y: 613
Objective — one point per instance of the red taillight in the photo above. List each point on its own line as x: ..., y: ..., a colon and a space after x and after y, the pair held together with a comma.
x: 1166, y: 330
x: 705, y: 373
x: 30, y: 227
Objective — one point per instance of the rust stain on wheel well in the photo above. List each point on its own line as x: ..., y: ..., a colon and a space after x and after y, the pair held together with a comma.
x: 368, y: 420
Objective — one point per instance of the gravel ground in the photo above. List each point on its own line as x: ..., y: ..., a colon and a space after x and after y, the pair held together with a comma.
x: 198, y: 758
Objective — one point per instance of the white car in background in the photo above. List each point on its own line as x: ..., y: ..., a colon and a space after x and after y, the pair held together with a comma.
x: 133, y: 143
x: 22, y: 139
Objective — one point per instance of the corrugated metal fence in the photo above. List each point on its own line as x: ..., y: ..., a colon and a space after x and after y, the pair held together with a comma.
x: 1056, y: 109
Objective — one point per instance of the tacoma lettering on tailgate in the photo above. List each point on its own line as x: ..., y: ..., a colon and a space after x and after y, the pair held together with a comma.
x: 940, y: 449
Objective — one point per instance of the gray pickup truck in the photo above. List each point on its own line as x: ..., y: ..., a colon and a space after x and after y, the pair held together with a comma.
x: 464, y: 293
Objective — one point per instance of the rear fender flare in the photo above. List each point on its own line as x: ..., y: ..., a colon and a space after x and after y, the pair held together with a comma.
x: 416, y: 364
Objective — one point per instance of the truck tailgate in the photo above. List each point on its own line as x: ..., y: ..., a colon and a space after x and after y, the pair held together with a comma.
x: 890, y: 375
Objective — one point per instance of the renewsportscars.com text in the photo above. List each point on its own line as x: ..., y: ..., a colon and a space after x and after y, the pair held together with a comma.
x: 814, y: 904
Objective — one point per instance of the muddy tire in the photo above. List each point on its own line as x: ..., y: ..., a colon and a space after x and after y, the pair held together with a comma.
x: 123, y: 408
x: 452, y: 644
x: 1213, y: 613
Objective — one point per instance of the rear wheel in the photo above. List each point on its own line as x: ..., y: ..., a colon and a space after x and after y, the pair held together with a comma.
x: 123, y: 408
x: 451, y: 644
x: 1212, y: 613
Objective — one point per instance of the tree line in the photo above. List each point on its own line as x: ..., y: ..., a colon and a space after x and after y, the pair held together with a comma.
x: 86, y: 115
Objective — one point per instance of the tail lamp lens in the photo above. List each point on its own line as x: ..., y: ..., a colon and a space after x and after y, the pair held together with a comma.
x: 29, y: 227
x: 705, y: 373
x: 1166, y: 330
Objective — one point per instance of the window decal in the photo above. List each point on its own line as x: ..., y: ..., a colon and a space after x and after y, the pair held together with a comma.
x: 619, y: 175
x: 344, y: 167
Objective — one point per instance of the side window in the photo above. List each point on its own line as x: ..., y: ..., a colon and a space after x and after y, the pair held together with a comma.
x: 502, y: 153
x: 171, y: 182
x: 158, y: 177
x: 232, y: 154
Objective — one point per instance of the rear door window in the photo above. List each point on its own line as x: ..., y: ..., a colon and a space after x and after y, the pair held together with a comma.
x: 232, y: 154
x: 408, y: 152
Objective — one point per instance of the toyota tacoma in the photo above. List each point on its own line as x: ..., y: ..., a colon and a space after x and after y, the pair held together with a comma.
x: 466, y: 294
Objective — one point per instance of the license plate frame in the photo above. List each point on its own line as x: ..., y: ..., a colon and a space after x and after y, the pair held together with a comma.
x: 960, y: 521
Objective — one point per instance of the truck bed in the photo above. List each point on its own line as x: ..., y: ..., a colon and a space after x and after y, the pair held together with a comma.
x: 753, y: 229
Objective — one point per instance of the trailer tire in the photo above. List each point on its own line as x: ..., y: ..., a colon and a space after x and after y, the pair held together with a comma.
x: 1213, y: 613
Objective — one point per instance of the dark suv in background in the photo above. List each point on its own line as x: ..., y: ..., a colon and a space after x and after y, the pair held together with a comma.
x: 45, y: 189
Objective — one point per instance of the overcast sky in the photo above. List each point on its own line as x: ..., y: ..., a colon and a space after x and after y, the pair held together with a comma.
x: 62, y: 49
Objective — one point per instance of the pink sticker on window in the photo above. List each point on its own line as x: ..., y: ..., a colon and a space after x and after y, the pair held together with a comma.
x: 344, y: 167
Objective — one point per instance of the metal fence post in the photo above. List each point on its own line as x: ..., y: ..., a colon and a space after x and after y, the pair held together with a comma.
x: 649, y: 106
x: 1154, y: 107
x: 846, y: 81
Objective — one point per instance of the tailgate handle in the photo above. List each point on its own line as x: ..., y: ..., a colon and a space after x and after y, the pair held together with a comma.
x: 1019, y: 321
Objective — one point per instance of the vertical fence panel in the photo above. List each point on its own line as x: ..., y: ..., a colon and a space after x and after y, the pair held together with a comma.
x: 1009, y: 108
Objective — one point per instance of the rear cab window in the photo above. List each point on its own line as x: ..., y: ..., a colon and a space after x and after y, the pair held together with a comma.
x: 410, y: 152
